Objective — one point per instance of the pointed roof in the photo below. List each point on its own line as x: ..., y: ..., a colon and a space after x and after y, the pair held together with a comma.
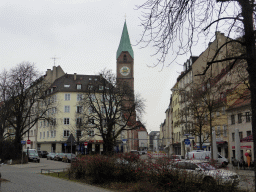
x: 124, y: 44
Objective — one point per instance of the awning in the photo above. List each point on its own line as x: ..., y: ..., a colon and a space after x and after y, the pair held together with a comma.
x: 221, y: 142
x: 247, y: 139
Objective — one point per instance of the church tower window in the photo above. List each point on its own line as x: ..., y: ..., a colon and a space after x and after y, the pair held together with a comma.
x: 125, y: 58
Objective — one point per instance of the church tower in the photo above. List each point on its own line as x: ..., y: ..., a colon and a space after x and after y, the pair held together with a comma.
x: 125, y: 74
x: 124, y: 59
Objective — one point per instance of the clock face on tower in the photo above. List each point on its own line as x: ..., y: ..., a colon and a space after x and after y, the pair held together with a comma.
x: 125, y: 71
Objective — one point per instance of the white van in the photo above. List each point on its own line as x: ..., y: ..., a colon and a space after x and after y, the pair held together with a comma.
x: 206, y: 155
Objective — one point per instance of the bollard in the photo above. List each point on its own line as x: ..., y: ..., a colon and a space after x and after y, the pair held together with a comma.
x: 10, y: 161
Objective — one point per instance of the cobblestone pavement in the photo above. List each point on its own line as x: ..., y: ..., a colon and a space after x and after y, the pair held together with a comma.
x: 27, y: 178
x: 246, y: 178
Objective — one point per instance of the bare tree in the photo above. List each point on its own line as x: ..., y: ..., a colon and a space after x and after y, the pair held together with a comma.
x: 22, y: 100
x: 110, y: 108
x: 167, y: 22
x: 198, y: 118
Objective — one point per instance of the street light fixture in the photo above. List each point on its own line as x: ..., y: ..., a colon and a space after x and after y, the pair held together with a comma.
x: 186, y: 125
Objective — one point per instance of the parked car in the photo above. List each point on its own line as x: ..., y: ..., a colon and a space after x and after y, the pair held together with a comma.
x: 67, y: 157
x: 50, y: 156
x: 176, y: 157
x: 134, y: 152
x: 206, y: 173
x: 42, y: 154
x: 59, y: 156
x: 32, y: 155
x: 142, y: 152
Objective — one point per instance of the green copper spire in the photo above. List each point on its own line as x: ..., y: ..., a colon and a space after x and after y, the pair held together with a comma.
x: 124, y: 44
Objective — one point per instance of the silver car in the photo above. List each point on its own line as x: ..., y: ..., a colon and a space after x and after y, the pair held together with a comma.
x: 207, y: 173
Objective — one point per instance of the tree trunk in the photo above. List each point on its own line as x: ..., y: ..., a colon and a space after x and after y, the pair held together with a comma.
x: 247, y: 13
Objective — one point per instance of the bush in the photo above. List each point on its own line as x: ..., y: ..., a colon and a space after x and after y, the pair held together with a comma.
x: 149, y: 176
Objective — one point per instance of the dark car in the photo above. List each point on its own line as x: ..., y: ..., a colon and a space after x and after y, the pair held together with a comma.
x: 32, y: 155
x: 59, y: 156
x: 42, y: 154
x: 50, y: 156
x: 67, y: 157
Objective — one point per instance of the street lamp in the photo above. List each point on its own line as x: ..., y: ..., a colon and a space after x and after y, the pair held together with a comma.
x: 186, y: 124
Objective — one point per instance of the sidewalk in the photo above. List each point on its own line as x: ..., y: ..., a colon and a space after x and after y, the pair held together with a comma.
x: 246, y: 177
x: 241, y: 171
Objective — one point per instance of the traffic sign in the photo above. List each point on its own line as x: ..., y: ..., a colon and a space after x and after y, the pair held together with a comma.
x: 85, y: 143
x: 187, y: 141
x: 28, y: 142
x: 23, y: 142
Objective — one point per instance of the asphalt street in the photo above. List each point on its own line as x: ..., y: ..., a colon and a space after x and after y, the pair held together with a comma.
x: 27, y: 178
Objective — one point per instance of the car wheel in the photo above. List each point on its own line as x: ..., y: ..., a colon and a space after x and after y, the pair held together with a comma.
x: 208, y: 184
x: 38, y: 161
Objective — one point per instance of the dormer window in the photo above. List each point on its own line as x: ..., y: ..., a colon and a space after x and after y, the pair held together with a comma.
x: 79, y: 86
x: 125, y: 58
x: 90, y: 78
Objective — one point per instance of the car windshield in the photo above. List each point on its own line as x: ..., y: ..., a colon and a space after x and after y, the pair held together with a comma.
x: 206, y: 166
x: 174, y: 157
x: 33, y: 153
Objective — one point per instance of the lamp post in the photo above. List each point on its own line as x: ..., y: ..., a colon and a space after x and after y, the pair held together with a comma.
x: 186, y: 122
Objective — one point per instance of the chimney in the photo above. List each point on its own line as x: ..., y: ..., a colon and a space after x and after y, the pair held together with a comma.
x: 74, y: 76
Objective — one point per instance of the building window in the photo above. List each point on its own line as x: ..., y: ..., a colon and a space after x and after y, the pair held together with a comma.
x: 240, y: 135
x: 233, y: 136
x: 66, y: 133
x: 79, y: 97
x: 248, y: 133
x: 78, y: 133
x: 217, y: 113
x: 232, y: 119
x: 66, y: 121
x: 218, y: 130
x: 53, y: 110
x: 67, y: 109
x: 91, y: 110
x: 53, y: 122
x: 247, y: 116
x: 91, y: 121
x: 125, y: 58
x: 54, y: 98
x: 224, y: 130
x: 91, y: 133
x: 40, y: 135
x: 92, y: 97
x: 79, y: 109
x: 47, y: 134
x: 43, y: 135
x: 223, y: 110
x: 67, y: 97
x: 101, y: 87
x: 90, y: 87
x: 78, y: 121
x: 78, y: 86
x: 239, y: 117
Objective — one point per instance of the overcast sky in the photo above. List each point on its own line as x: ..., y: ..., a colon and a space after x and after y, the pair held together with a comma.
x: 84, y: 35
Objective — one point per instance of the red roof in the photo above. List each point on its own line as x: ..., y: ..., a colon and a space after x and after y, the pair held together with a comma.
x: 245, y: 99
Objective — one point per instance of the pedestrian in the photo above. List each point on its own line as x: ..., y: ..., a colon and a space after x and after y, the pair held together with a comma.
x: 248, y: 157
x: 241, y: 163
